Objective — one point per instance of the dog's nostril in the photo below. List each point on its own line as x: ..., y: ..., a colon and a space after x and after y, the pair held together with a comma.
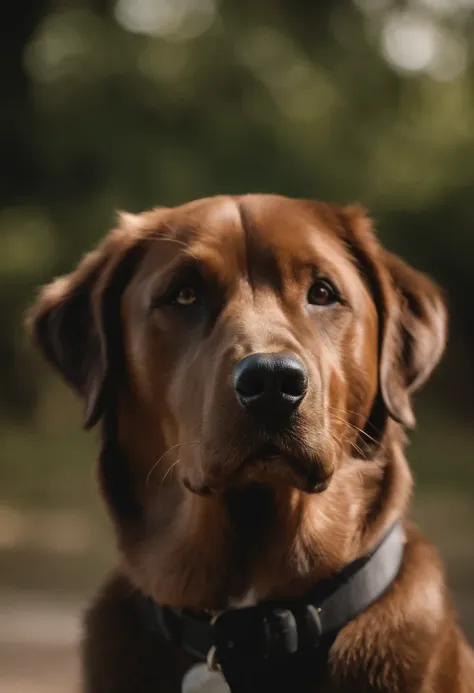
x: 294, y: 384
x: 250, y: 385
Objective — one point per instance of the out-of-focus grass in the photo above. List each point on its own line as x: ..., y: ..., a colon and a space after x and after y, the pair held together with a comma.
x: 441, y: 451
x: 54, y: 533
x: 49, y: 463
x: 38, y: 468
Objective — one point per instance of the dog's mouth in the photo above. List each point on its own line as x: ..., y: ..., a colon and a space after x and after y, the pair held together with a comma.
x: 299, y: 469
x: 270, y: 464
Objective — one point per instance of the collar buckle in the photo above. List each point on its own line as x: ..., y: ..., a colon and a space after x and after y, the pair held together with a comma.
x: 280, y: 633
x: 265, y: 631
x: 311, y: 626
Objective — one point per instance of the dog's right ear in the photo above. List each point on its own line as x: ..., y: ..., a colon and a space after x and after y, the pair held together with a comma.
x: 412, y: 317
x: 75, y: 321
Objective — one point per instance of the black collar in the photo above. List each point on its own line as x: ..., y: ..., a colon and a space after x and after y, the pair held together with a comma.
x: 272, y: 630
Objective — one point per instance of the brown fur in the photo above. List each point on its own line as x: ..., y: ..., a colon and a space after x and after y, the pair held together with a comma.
x: 171, y: 468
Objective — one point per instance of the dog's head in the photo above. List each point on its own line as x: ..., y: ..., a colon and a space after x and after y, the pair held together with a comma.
x: 242, y: 340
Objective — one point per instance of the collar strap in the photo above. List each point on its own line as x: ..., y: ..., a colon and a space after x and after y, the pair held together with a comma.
x: 275, y: 629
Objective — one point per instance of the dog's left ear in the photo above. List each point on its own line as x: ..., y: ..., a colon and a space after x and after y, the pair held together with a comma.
x: 415, y: 337
x: 75, y: 321
x: 412, y: 316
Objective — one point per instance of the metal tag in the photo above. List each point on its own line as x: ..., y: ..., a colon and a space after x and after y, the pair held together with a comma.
x: 199, y: 679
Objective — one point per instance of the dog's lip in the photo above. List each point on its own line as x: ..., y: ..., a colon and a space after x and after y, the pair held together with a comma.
x: 309, y: 475
x: 302, y: 463
x: 266, y: 451
x: 317, y: 485
x: 306, y: 472
x: 203, y: 490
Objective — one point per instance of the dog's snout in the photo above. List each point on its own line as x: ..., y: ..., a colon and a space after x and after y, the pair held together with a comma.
x: 270, y: 382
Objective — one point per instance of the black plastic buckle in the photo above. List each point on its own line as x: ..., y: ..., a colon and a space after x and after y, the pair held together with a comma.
x: 311, y: 628
x: 261, y: 632
x: 280, y: 633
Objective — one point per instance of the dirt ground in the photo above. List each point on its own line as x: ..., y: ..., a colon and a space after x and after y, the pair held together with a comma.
x: 38, y: 644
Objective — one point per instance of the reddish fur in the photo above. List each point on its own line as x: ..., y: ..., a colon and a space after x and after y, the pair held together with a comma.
x: 170, y: 423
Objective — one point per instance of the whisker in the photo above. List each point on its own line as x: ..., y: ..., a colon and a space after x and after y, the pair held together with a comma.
x: 346, y: 439
x: 169, y: 470
x: 354, y: 445
x: 356, y: 428
x: 356, y: 413
x: 173, y: 447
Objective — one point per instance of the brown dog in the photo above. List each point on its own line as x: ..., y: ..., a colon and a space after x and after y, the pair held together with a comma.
x: 252, y: 361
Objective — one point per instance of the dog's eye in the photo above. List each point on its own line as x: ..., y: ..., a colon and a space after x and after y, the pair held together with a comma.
x: 322, y: 293
x: 186, y: 296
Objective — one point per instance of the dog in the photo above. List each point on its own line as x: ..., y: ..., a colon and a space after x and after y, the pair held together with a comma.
x: 251, y: 362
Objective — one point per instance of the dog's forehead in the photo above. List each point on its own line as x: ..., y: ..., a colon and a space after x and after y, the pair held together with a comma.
x: 209, y: 213
x: 293, y: 227
x: 213, y: 223
x: 287, y: 228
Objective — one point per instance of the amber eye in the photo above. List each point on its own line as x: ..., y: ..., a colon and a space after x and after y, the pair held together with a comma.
x: 186, y: 296
x: 322, y: 293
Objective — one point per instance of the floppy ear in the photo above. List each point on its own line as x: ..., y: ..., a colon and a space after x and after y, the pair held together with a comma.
x: 75, y: 321
x: 412, y: 317
x: 415, y: 339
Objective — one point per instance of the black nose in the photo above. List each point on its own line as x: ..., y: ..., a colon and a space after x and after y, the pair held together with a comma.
x: 268, y: 383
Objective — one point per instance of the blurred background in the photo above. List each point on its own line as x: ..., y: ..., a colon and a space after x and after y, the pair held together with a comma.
x: 132, y: 103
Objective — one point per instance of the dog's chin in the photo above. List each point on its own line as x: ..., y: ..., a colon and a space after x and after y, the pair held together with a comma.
x: 268, y: 467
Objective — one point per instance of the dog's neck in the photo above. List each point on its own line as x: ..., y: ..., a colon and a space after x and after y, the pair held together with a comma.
x: 209, y: 553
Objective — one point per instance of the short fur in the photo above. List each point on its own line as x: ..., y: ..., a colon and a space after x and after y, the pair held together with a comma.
x: 199, y: 526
